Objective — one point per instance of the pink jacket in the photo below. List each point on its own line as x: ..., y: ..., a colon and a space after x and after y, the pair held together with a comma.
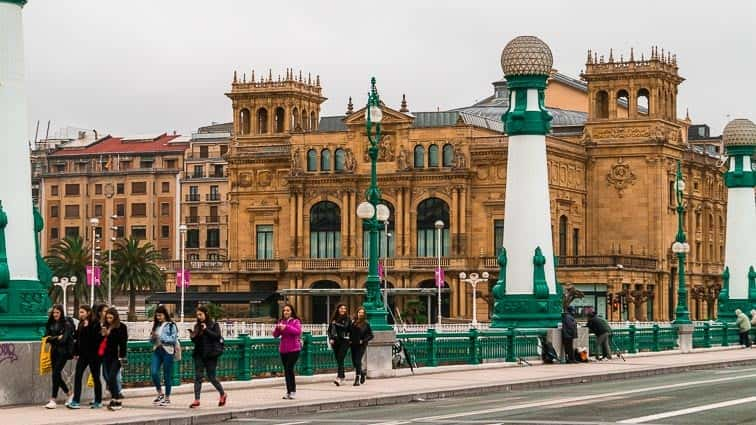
x: 290, y: 335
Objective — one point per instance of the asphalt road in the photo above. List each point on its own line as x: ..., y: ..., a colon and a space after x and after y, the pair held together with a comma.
x: 711, y: 397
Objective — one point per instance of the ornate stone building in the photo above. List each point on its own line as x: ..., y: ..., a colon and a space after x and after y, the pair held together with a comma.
x: 296, y: 178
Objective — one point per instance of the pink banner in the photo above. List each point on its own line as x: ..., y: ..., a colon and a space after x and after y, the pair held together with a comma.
x: 439, y: 277
x: 187, y: 278
x: 380, y: 270
x: 93, y: 275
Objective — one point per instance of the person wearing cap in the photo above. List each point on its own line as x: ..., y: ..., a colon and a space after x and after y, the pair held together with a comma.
x: 569, y: 333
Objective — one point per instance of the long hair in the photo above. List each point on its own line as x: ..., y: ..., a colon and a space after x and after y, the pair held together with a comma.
x: 160, y: 309
x: 336, y: 314
x: 206, y: 311
x: 51, y: 319
x: 116, y: 319
x: 358, y: 320
x: 97, y: 310
x: 293, y: 312
x: 89, y: 319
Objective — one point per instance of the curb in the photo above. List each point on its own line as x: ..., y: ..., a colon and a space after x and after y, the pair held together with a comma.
x: 408, y: 397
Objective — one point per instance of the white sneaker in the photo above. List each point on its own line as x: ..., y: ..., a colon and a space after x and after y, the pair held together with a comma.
x: 51, y: 404
x: 292, y: 396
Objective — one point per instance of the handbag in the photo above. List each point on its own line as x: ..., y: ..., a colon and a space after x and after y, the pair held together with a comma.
x: 45, y: 359
x: 101, y: 348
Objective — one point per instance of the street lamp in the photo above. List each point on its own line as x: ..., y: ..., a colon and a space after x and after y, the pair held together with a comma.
x: 182, y: 231
x: 474, y: 280
x: 63, y: 283
x: 680, y: 248
x: 382, y: 213
x: 94, y: 222
x: 113, y: 229
x: 370, y: 211
x: 439, y: 281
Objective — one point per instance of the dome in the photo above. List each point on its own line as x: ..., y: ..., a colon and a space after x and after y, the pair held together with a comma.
x: 739, y: 131
x: 526, y: 55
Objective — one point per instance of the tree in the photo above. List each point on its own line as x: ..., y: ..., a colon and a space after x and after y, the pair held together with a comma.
x: 67, y: 258
x: 135, y: 270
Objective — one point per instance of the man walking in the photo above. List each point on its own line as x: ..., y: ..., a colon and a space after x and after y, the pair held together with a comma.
x: 597, y: 325
x: 569, y: 333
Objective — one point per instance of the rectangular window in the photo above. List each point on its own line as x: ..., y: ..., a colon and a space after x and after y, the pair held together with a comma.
x: 72, y: 211
x: 138, y: 188
x: 53, y: 233
x: 72, y: 232
x: 223, y: 150
x: 218, y: 170
x: 204, y: 152
x: 119, y: 189
x: 170, y: 163
x: 165, y: 232
x: 165, y: 253
x: 193, y: 195
x: 165, y: 209
x: 498, y: 236
x: 264, y: 242
x: 98, y: 189
x: 98, y: 210
x: 139, y: 232
x: 193, y: 218
x: 192, y: 238
x: 54, y: 190
x: 165, y: 187
x: 139, y: 210
x: 120, y: 232
x: 213, y: 238
x: 576, y: 242
x: 198, y: 171
x: 72, y: 190
x: 120, y: 210
x: 54, y: 210
x: 214, y: 194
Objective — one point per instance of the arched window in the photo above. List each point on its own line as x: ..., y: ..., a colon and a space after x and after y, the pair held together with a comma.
x: 312, y: 160
x: 433, y: 156
x: 643, y: 101
x: 339, y: 158
x: 279, y: 117
x: 428, y: 212
x: 602, y: 104
x: 313, y: 121
x: 448, y: 155
x: 325, y: 230
x: 294, y: 118
x: 325, y: 160
x: 623, y: 100
x: 323, y: 306
x: 382, y: 243
x: 305, y: 120
x: 563, y: 236
x: 244, y: 121
x: 419, y: 156
x: 262, y: 121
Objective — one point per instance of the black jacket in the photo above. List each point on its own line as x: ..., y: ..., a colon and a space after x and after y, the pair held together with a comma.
x: 360, y: 335
x: 117, y: 342
x: 338, y: 330
x: 88, y: 340
x: 569, y: 326
x: 598, y: 325
x: 207, y: 343
x: 65, y: 328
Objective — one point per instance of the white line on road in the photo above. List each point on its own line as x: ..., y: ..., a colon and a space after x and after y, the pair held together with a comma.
x: 687, y: 411
x: 569, y: 400
x: 724, y: 372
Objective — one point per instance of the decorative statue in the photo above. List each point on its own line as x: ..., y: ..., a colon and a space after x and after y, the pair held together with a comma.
x: 296, y: 167
x: 459, y: 158
x: 401, y: 161
x: 349, y: 162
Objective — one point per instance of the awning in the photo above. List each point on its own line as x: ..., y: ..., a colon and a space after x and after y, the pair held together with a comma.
x: 254, y: 297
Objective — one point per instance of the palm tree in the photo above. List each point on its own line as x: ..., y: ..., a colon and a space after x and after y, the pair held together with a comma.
x: 69, y: 257
x: 135, y: 269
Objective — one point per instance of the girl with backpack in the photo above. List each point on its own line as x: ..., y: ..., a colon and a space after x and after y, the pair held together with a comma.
x: 164, y: 338
x: 338, y: 336
x: 208, y: 346
x: 112, y: 350
x: 289, y: 329
x: 59, y: 332
x: 88, y: 339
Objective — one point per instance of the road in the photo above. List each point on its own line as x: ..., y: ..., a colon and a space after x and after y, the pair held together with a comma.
x: 710, y: 397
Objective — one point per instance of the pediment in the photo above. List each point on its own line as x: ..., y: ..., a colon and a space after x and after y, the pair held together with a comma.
x: 390, y: 117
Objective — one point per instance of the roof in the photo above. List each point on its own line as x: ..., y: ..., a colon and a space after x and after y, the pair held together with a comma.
x: 132, y: 144
x: 223, y: 127
x: 423, y: 120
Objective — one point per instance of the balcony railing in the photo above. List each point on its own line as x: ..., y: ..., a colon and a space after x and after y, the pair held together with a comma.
x: 427, y: 262
x: 193, y: 197
x: 191, y: 219
x: 626, y: 261
x: 215, y: 219
x: 213, y: 197
x: 206, y: 265
x: 260, y: 265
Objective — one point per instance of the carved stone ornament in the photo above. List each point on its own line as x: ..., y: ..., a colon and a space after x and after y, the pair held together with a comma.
x: 385, y: 150
x: 245, y: 180
x: 620, y: 176
x: 621, y: 132
x: 264, y: 178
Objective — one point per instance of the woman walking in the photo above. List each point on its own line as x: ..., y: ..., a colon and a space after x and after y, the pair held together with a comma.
x: 208, y: 346
x: 59, y: 332
x: 163, y: 337
x: 88, y: 339
x: 360, y: 334
x: 289, y: 329
x: 338, y: 336
x: 112, y: 349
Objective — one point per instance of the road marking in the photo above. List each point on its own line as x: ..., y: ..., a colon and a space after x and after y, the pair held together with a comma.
x: 723, y: 372
x: 569, y: 400
x: 687, y: 411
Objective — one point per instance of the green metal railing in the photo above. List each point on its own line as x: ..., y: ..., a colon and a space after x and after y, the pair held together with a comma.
x: 636, y: 339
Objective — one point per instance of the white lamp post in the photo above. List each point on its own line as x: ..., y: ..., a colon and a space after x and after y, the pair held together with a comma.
x: 63, y: 283
x: 474, y: 280
x: 113, y: 229
x: 93, y: 222
x: 439, y: 283
x: 182, y: 231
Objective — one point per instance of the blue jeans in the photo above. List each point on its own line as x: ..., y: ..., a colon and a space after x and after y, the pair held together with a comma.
x: 161, y: 357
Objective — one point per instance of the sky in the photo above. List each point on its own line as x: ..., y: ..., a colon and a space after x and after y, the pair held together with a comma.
x: 144, y: 66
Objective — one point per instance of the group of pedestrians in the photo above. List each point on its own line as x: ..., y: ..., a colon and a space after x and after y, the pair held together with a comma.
x: 350, y: 334
x: 596, y: 325
x: 744, y: 327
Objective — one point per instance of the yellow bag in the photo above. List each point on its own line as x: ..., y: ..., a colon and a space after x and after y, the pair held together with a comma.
x: 45, y: 360
x: 90, y: 381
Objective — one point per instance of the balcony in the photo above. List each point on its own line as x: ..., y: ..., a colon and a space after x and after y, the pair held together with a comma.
x: 626, y: 261
x: 200, y: 265
x: 213, y: 197
x: 260, y: 265
x: 428, y: 262
x: 191, y: 219
x: 193, y: 197
x: 215, y: 219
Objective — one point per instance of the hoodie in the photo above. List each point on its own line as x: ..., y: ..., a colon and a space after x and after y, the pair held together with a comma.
x: 744, y: 325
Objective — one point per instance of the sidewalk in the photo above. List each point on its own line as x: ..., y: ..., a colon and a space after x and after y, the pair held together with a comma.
x: 260, y: 399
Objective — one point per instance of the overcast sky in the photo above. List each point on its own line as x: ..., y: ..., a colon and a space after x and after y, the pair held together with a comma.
x: 141, y: 66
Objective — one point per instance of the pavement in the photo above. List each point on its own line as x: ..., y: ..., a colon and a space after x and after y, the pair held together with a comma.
x: 260, y: 400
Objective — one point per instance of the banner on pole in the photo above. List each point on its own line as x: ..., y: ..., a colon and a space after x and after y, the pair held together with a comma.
x: 380, y: 270
x: 187, y: 277
x: 439, y: 277
x: 93, y: 275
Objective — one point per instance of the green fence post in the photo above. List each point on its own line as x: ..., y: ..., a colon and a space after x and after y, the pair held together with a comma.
x: 707, y: 335
x: 631, y: 334
x: 432, y: 346
x: 474, y: 348
x: 308, y: 368
x: 244, y: 369
x: 511, y: 356
x: 655, y: 343
x: 724, y: 335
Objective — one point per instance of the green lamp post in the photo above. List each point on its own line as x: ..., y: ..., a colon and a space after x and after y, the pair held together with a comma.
x: 373, y: 212
x: 680, y: 248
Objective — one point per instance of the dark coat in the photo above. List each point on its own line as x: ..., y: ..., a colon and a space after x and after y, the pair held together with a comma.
x: 88, y: 339
x: 65, y: 328
x: 360, y: 335
x: 569, y: 326
x: 338, y: 330
x: 207, y: 342
x: 598, y: 325
x: 117, y: 342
